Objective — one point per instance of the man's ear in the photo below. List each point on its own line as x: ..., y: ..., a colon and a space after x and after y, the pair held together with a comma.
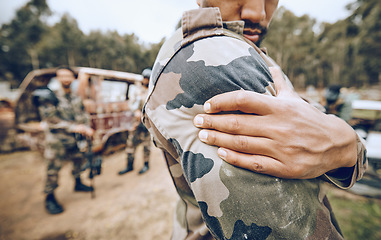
x: 199, y: 3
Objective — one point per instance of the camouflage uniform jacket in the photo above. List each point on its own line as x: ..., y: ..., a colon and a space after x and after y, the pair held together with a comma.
x: 217, y: 200
x: 61, y: 120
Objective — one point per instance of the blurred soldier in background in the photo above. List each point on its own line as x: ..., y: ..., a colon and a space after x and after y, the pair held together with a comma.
x: 338, y: 103
x: 140, y: 135
x: 333, y: 99
x: 63, y: 117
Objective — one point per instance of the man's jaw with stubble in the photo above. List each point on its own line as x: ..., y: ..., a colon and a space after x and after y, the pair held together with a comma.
x: 254, y: 32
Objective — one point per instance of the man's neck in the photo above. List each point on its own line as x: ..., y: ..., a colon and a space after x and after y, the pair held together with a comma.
x: 66, y: 91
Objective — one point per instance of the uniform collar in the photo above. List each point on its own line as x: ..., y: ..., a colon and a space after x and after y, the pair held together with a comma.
x: 206, y: 22
x: 203, y: 22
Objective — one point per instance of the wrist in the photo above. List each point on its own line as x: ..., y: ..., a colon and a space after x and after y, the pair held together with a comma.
x: 345, y: 144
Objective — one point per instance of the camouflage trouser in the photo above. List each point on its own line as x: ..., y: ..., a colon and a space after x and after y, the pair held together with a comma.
x: 56, y: 151
x: 137, y: 137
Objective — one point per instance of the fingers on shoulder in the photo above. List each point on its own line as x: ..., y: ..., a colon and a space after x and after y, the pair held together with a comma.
x: 230, y: 101
x: 250, y: 162
x: 256, y: 163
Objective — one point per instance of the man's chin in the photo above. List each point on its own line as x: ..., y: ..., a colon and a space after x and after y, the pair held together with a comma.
x: 256, y: 39
x: 252, y: 38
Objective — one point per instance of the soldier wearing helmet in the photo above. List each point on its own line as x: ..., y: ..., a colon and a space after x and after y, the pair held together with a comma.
x: 140, y: 135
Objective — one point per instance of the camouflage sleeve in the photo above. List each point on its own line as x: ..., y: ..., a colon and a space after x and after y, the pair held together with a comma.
x: 51, y: 116
x: 235, y: 203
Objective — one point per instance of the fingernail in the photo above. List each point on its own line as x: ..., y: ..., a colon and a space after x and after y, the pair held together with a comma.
x: 198, y: 121
x: 203, y: 135
x: 222, y: 153
x: 207, y: 107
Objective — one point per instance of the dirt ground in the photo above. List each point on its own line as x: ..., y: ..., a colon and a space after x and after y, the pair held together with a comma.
x: 131, y: 206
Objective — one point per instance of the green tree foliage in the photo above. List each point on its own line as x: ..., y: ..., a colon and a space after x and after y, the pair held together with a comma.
x: 62, y: 45
x: 291, y: 40
x: 20, y: 37
x: 367, y: 17
x: 346, y: 52
x: 28, y: 43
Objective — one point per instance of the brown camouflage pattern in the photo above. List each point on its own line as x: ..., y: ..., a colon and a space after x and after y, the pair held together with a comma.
x: 217, y: 200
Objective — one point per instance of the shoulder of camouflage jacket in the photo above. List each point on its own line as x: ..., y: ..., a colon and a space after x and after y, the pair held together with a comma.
x: 235, y: 203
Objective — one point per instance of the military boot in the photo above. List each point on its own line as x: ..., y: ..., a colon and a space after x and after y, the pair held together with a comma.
x: 80, y: 187
x: 145, y: 168
x: 51, y: 204
x: 130, y: 165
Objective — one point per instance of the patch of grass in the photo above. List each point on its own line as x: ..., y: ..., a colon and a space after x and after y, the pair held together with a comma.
x: 359, y: 217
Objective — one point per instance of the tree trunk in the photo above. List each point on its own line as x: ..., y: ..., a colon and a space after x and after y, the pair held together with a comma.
x: 71, y: 59
x: 34, y: 58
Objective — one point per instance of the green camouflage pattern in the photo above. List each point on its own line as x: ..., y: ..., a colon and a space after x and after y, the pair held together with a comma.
x: 217, y: 200
x: 60, y: 141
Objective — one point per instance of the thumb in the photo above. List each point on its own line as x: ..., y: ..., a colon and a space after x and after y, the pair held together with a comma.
x: 281, y: 85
